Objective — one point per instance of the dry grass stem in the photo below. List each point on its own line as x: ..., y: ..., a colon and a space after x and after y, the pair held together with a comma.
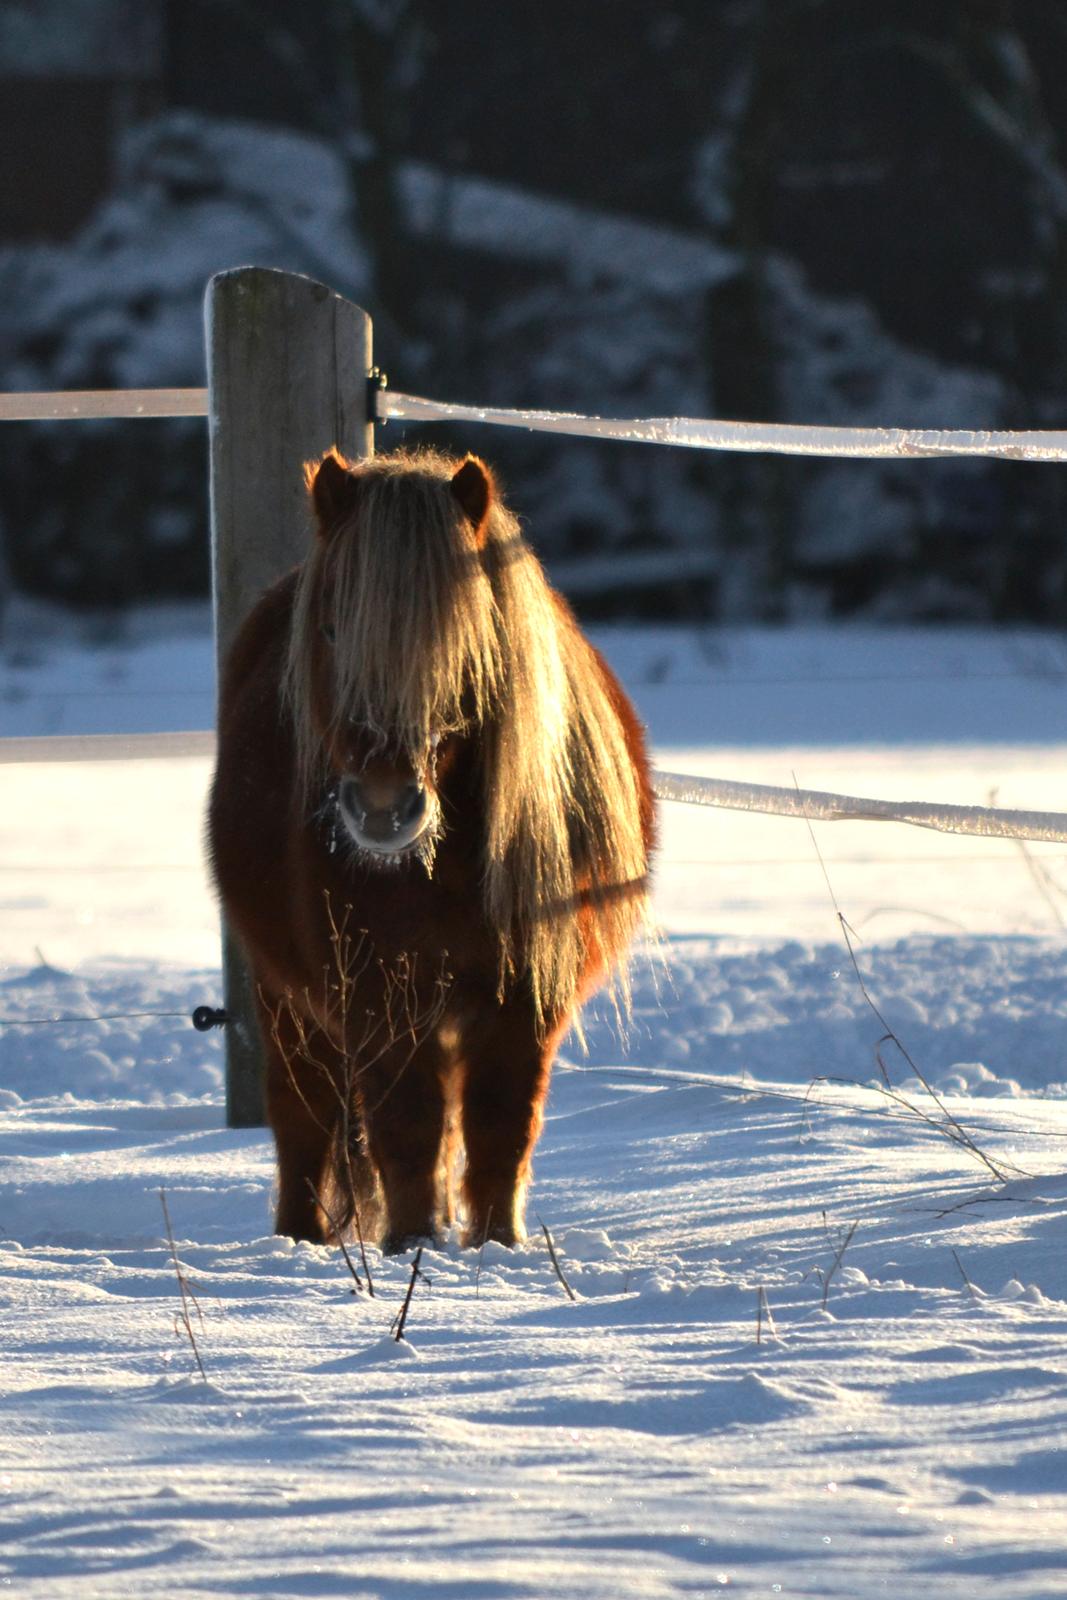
x: 481, y: 1252
x: 1044, y: 882
x: 763, y: 1311
x: 362, y: 1249
x: 944, y: 1123
x: 357, y: 1280
x: 555, y: 1262
x: 986, y: 1200
x: 183, y: 1318
x: 1042, y: 879
x: 839, y: 1246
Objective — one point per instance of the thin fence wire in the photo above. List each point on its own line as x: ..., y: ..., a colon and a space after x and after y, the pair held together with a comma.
x: 812, y: 1100
x: 1046, y: 673
x: 725, y: 863
x: 64, y: 869
x: 14, y: 694
x: 1051, y: 675
x: 92, y: 1016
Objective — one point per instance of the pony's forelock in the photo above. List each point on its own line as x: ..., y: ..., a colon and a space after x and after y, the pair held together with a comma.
x: 430, y: 634
x: 399, y: 588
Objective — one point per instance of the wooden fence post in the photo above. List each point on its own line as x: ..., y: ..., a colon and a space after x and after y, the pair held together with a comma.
x: 287, y: 378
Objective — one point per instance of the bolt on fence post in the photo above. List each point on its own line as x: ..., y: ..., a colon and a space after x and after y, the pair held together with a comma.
x: 287, y: 362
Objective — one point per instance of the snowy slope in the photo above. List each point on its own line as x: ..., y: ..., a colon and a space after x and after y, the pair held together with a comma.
x: 902, y: 1421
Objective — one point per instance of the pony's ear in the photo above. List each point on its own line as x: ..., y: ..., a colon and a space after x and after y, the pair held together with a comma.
x: 473, y: 487
x: 333, y: 486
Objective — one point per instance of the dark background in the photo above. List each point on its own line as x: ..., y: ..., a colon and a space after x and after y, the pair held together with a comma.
x: 783, y: 210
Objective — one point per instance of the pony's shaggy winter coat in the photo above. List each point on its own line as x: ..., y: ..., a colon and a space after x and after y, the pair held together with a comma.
x: 421, y: 631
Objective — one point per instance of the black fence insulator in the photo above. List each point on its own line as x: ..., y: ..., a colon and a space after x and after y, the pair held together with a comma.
x: 207, y: 1017
x: 377, y: 380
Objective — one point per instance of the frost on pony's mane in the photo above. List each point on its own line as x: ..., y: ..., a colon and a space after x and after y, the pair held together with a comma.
x: 433, y: 633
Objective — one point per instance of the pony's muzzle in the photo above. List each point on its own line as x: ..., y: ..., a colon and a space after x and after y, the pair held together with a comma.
x: 384, y: 819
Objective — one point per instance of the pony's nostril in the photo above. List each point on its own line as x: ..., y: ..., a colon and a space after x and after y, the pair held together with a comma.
x: 390, y: 817
x: 412, y: 804
x: 351, y: 798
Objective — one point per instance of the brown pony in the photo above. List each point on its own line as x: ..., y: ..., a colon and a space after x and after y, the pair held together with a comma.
x: 430, y: 828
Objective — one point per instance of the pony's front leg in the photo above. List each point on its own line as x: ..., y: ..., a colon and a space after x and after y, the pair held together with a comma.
x: 403, y: 1103
x: 507, y: 1066
x: 303, y: 1109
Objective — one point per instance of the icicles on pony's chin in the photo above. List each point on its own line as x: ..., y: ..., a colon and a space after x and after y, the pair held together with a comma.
x: 382, y: 795
x: 389, y: 813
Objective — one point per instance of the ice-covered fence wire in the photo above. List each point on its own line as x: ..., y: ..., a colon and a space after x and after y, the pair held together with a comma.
x: 774, y: 438
x: 88, y: 405
x: 697, y: 433
x: 35, y: 748
x: 985, y: 822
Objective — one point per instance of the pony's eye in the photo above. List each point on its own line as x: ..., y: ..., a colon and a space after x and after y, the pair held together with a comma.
x: 328, y: 633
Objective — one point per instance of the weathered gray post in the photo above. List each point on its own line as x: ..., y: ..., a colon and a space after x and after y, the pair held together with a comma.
x: 287, y: 378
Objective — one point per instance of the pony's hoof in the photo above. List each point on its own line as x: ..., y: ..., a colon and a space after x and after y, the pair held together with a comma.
x: 397, y: 1244
x: 302, y: 1232
x: 475, y: 1238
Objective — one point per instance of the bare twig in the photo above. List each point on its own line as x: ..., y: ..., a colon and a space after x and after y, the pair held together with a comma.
x: 183, y: 1318
x: 972, y: 1291
x: 555, y: 1261
x: 401, y: 1317
x: 324, y: 1208
x: 340, y: 1047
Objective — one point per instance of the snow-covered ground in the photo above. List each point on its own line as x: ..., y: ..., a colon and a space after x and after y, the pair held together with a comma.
x: 817, y: 1347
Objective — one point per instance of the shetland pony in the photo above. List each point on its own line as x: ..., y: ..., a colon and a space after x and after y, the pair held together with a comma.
x: 430, y: 829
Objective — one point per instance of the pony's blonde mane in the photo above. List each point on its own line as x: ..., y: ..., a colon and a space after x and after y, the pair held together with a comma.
x: 433, y: 634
